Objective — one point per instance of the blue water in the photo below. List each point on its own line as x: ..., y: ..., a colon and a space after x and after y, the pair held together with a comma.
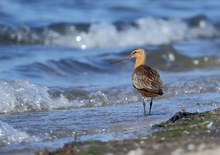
x: 57, y: 83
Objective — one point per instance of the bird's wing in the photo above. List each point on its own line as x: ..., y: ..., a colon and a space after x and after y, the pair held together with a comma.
x: 146, y: 78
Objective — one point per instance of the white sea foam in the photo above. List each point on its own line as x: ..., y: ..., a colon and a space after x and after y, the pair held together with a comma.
x: 21, y: 96
x: 149, y: 30
x: 9, y: 135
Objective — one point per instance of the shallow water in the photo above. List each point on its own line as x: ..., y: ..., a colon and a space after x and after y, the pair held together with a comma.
x: 57, y: 81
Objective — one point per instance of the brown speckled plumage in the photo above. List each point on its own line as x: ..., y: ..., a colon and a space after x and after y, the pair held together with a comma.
x: 147, y: 81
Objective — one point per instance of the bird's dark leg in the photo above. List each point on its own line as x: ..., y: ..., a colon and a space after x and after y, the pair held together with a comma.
x: 151, y: 103
x: 144, y: 107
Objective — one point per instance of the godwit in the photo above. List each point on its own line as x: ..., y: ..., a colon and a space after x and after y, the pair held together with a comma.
x: 145, y: 79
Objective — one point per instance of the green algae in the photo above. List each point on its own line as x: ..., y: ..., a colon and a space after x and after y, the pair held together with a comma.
x: 183, y: 123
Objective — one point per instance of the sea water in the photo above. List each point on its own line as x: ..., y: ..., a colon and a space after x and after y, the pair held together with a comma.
x: 57, y: 83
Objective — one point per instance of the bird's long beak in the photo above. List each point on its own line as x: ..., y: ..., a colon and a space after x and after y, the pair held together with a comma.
x: 120, y: 60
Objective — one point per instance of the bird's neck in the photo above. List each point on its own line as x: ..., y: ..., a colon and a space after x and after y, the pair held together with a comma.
x: 140, y: 61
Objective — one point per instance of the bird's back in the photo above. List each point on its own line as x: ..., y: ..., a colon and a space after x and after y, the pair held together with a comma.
x: 147, y: 81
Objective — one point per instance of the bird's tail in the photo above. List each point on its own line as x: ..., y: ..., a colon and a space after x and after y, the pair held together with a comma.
x: 160, y: 92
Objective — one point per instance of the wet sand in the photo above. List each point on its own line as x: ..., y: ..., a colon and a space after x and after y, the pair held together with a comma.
x: 184, y: 134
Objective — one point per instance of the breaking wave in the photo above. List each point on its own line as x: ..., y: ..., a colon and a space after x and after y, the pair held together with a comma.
x: 22, y: 96
x: 142, y: 31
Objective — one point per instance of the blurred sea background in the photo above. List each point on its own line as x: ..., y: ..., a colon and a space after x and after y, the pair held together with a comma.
x: 57, y: 83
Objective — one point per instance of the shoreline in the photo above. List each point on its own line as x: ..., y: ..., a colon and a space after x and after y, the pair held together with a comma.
x: 183, y: 134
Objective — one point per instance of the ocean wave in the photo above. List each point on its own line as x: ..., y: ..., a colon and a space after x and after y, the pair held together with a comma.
x: 148, y: 30
x: 60, y: 68
x: 164, y: 58
x: 22, y: 96
x: 9, y: 135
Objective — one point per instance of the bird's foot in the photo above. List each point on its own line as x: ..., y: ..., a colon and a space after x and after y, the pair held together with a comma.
x: 147, y: 114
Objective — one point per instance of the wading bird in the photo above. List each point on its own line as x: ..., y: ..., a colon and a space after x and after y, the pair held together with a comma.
x: 145, y: 79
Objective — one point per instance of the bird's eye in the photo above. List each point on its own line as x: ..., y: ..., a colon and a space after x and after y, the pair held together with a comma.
x: 134, y: 52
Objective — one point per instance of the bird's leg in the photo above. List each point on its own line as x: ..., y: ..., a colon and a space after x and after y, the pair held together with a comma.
x: 144, y: 107
x: 151, y: 103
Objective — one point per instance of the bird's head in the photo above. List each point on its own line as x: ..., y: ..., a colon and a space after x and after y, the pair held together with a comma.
x: 138, y: 53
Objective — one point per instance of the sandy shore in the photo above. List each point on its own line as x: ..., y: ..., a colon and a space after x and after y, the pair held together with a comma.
x: 184, y: 134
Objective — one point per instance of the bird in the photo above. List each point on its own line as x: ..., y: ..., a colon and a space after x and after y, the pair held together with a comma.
x: 145, y: 79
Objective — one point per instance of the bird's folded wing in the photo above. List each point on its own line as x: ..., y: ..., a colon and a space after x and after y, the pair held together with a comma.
x: 146, y: 78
